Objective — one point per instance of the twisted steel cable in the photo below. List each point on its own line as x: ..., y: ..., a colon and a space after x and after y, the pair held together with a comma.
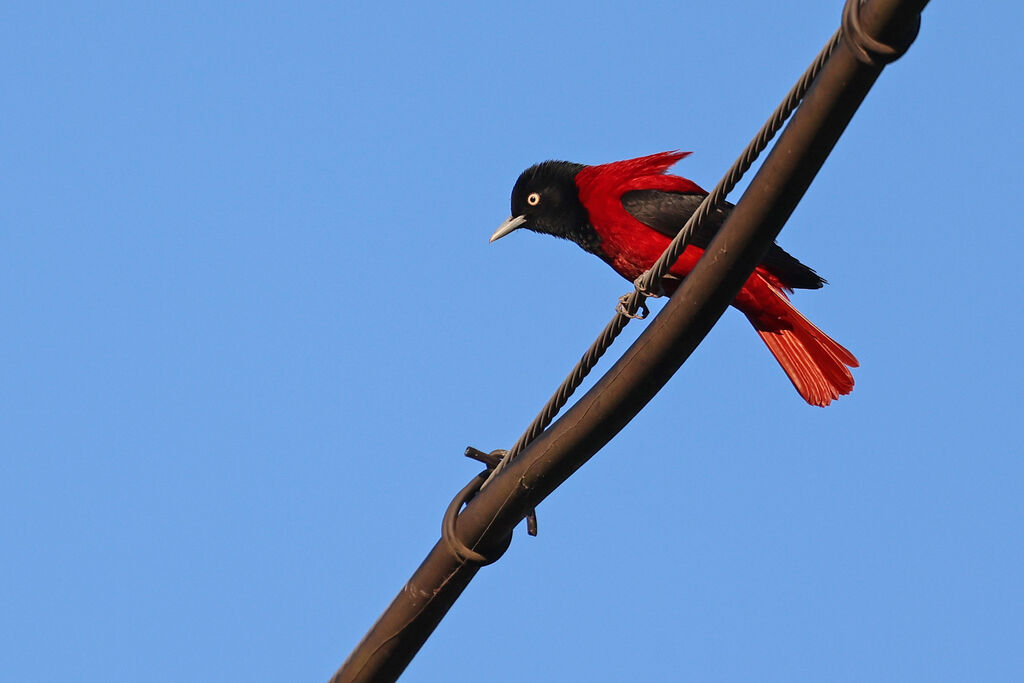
x: 711, y: 202
x: 635, y: 300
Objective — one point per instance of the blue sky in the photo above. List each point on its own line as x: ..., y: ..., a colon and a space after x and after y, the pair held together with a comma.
x: 251, y: 321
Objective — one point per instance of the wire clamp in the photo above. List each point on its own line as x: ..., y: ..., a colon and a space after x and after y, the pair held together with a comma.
x: 492, y: 460
x: 869, y: 50
x: 448, y: 533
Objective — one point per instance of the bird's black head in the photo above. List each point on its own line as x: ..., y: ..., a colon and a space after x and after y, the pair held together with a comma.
x: 545, y: 199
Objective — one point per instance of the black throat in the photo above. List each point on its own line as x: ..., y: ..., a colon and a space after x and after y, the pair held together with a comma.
x: 585, y: 236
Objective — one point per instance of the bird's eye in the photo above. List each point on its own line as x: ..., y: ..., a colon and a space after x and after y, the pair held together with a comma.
x: 533, y: 199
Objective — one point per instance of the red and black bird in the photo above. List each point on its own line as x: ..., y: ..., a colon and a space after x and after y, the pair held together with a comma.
x: 627, y: 212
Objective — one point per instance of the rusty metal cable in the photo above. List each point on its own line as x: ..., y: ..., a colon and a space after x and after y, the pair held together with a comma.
x: 651, y: 280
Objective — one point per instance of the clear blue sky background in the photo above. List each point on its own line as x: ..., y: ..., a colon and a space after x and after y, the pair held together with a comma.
x: 251, y: 320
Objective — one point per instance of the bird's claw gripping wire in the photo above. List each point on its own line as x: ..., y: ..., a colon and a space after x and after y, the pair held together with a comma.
x: 615, y: 326
x: 491, y: 460
x: 641, y: 312
x: 644, y: 292
x: 648, y: 291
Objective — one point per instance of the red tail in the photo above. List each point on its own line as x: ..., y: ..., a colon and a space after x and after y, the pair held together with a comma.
x: 817, y: 365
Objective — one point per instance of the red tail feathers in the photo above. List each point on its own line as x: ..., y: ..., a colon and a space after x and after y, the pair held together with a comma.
x: 817, y: 365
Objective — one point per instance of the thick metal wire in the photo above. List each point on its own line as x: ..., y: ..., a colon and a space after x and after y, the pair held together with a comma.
x: 415, y: 612
x: 866, y: 48
x: 651, y: 280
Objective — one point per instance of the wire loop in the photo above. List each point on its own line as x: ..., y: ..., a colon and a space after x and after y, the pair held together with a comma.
x: 867, y: 49
x: 459, y: 549
x: 661, y: 267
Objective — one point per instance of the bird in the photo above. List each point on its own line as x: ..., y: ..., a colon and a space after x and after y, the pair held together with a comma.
x: 627, y: 212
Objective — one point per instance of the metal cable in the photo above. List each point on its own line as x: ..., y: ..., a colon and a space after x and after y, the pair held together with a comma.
x: 867, y: 49
x: 571, y: 383
x: 451, y: 538
x: 402, y: 629
x: 632, y: 302
x: 711, y: 202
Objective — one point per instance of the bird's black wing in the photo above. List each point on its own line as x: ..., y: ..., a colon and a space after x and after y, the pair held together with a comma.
x: 667, y: 212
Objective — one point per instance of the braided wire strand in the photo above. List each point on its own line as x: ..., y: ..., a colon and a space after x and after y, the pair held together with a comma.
x: 753, y: 150
x: 572, y: 382
x: 655, y: 273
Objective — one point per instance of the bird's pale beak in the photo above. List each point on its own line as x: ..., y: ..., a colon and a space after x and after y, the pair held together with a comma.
x: 510, y: 224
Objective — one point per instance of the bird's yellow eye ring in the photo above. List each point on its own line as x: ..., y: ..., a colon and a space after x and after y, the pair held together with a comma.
x: 533, y: 199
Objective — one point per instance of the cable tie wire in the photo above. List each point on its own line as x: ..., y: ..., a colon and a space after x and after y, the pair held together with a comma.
x: 661, y: 267
x: 867, y: 49
x: 451, y: 539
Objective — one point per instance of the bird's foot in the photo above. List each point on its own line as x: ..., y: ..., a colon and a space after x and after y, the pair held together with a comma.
x: 655, y: 292
x: 639, y: 313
